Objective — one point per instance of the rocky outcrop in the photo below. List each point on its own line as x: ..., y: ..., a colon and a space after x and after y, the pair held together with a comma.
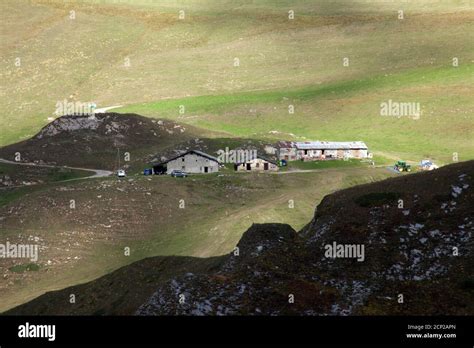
x: 370, y: 249
x: 92, y: 140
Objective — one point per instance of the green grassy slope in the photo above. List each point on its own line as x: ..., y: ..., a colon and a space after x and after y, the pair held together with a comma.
x: 301, y: 59
x: 347, y: 111
x: 81, y: 244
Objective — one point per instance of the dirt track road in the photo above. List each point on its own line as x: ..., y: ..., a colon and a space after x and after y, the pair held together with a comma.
x: 98, y: 173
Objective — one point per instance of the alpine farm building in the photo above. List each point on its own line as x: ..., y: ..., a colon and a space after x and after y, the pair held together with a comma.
x: 321, y: 150
x: 258, y: 164
x: 193, y: 161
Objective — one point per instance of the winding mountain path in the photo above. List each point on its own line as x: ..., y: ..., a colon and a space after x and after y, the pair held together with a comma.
x: 98, y: 173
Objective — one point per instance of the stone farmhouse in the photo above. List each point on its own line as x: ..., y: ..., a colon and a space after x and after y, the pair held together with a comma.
x: 192, y: 161
x: 259, y: 164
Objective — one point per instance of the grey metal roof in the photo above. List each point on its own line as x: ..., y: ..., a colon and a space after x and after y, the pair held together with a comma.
x: 330, y: 145
x: 203, y: 154
x: 200, y: 153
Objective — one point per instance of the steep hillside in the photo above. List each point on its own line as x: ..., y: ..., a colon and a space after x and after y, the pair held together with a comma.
x: 418, y: 258
x: 92, y: 141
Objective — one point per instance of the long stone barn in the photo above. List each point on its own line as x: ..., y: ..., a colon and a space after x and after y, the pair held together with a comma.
x: 321, y: 150
x: 193, y: 162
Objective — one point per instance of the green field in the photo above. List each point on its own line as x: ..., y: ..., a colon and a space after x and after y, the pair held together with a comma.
x: 347, y: 111
x: 190, y: 62
x: 300, y: 165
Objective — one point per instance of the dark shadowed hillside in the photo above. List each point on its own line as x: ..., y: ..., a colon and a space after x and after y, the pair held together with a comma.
x: 417, y: 233
x: 92, y: 141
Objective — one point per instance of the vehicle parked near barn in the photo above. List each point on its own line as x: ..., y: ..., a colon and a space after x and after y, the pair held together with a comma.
x: 178, y: 174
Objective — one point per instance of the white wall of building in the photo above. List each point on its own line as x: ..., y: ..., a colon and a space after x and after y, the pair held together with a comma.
x: 192, y: 163
x: 257, y: 165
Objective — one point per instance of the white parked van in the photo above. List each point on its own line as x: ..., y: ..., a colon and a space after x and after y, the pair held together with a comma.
x: 428, y: 165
